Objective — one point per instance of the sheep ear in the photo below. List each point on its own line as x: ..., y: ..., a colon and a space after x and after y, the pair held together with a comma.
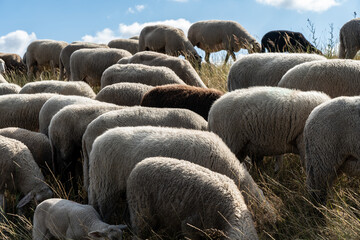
x: 25, y: 200
x: 96, y: 234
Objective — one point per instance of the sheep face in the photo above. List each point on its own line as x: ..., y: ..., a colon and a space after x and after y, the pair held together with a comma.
x: 255, y: 47
x: 110, y: 233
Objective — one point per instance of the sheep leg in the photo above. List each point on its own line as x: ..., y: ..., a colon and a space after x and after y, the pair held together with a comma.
x: 350, y: 52
x: 207, y: 57
x: 233, y: 55
x: 227, y: 57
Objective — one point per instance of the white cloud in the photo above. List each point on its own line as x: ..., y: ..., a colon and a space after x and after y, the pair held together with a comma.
x: 16, y: 42
x: 303, y: 5
x: 139, y: 8
x: 130, y: 10
x: 103, y: 36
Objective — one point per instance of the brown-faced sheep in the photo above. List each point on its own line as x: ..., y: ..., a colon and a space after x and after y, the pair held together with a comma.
x: 13, y: 62
x: 130, y: 45
x: 216, y: 35
x: 349, y: 39
x: 193, y: 98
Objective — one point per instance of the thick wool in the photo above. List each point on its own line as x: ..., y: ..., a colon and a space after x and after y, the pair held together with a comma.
x: 9, y: 88
x: 13, y: 62
x: 130, y: 45
x: 349, y: 39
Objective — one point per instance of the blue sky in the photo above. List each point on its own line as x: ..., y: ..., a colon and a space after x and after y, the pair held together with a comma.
x: 101, y: 21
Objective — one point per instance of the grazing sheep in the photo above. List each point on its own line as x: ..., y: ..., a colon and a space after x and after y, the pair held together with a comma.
x: 169, y: 40
x: 331, y: 137
x: 61, y: 218
x: 260, y: 69
x: 181, y: 67
x: 263, y: 121
x: 287, y: 41
x: 204, y: 202
x: 2, y: 66
x: 59, y: 87
x: 22, y: 110
x: 349, y: 39
x: 215, y: 35
x: 116, y: 152
x: 195, y: 99
x: 89, y: 64
x: 139, y: 73
x: 137, y: 116
x: 43, y: 53
x: 130, y: 45
x: 124, y: 94
x: 64, y: 61
x: 20, y: 173
x: 13, y: 62
x: 9, y: 88
x: 336, y: 77
x: 38, y: 144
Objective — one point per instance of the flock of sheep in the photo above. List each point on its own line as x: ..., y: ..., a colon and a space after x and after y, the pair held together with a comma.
x: 160, y: 151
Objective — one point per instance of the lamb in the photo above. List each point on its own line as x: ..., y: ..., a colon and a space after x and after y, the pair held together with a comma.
x: 130, y: 45
x: 137, y: 116
x: 336, y: 77
x: 287, y: 41
x: 204, y: 202
x: 195, y: 99
x: 22, y: 110
x: 264, y: 69
x: 139, y: 73
x: 168, y: 40
x: 349, y: 35
x: 59, y: 87
x: 181, y: 67
x: 110, y: 165
x: 43, y: 53
x: 19, y: 172
x: 13, y: 62
x: 263, y: 121
x: 9, y: 88
x: 37, y: 143
x: 216, y: 35
x: 61, y: 218
x: 89, y: 64
x: 331, y: 137
x: 64, y: 61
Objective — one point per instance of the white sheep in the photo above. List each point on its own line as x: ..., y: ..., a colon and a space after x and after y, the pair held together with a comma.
x: 2, y: 79
x: 124, y: 94
x: 263, y: 121
x: 260, y: 69
x: 139, y: 73
x: 181, y: 67
x: 64, y: 61
x: 59, y: 87
x: 215, y: 35
x: 349, y: 35
x: 176, y: 197
x: 137, y: 116
x: 89, y: 64
x: 19, y: 172
x: 61, y: 218
x: 9, y: 88
x: 336, y: 77
x: 2, y: 67
x: 331, y: 137
x: 130, y: 45
x: 116, y: 152
x: 169, y: 40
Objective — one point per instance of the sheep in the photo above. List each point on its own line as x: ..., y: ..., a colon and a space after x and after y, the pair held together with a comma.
x: 89, y: 64
x: 115, y: 153
x: 169, y: 40
x: 9, y: 88
x: 349, y: 35
x: 22, y: 110
x: 130, y: 45
x: 61, y: 218
x: 60, y: 87
x: 260, y: 69
x: 135, y: 37
x: 124, y: 94
x: 263, y: 121
x: 13, y: 62
x: 2, y: 67
x: 287, y: 41
x: 195, y: 99
x: 139, y: 73
x: 336, y: 77
x: 43, y: 53
x: 137, y: 116
x: 37, y: 143
x: 181, y: 67
x: 331, y: 137
x: 204, y: 202
x: 55, y: 104
x: 64, y: 61
x: 216, y: 35
x: 19, y: 172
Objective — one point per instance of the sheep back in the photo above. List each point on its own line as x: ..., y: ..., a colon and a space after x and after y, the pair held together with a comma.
x: 9, y: 88
x: 130, y: 45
